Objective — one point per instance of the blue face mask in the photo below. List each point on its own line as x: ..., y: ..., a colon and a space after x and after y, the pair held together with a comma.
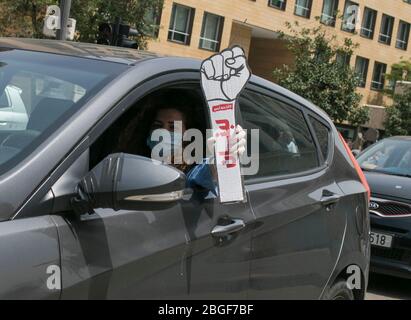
x: 168, y: 142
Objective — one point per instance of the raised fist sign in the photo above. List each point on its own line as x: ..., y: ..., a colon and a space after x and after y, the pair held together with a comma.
x: 225, y: 74
x: 223, y: 77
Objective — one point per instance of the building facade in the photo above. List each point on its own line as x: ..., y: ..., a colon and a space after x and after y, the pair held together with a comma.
x: 197, y: 28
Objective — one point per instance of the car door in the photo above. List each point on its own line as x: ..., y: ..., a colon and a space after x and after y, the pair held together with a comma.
x: 218, y: 261
x: 118, y: 254
x: 157, y: 254
x: 153, y: 254
x: 299, y: 230
x: 123, y: 254
x: 30, y: 258
x: 219, y: 235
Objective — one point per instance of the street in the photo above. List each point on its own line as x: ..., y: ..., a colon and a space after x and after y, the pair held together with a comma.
x: 383, y: 287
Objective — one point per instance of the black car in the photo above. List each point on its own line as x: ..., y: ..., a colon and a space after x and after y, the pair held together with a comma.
x: 85, y: 213
x: 387, y: 166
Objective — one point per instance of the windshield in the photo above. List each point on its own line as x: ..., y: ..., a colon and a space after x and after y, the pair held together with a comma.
x: 388, y: 156
x: 38, y: 92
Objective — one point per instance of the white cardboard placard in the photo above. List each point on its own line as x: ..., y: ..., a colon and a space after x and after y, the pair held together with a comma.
x: 223, y: 77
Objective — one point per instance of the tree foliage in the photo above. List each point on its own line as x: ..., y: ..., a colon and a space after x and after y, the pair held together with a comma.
x: 24, y: 18
x: 319, y: 75
x: 398, y: 120
x: 400, y: 71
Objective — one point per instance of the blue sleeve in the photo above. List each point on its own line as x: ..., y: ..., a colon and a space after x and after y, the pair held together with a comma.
x: 200, y: 176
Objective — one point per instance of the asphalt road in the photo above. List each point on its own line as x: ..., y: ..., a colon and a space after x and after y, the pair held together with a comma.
x: 383, y: 287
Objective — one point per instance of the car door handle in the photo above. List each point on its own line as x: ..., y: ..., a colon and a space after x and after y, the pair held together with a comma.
x: 222, y: 230
x: 329, y: 198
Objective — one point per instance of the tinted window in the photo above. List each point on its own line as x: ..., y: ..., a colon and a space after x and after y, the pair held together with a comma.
x: 4, y: 101
x: 285, y: 143
x: 43, y: 89
x: 322, y: 132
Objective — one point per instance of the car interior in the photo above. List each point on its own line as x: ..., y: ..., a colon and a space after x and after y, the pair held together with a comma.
x: 41, y: 99
x: 129, y: 132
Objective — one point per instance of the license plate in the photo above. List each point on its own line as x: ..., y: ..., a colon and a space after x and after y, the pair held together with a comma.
x: 380, y: 239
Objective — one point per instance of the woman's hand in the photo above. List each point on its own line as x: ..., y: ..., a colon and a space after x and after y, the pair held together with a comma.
x: 237, y: 144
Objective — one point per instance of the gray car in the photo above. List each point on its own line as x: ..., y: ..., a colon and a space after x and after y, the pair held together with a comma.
x: 84, y: 217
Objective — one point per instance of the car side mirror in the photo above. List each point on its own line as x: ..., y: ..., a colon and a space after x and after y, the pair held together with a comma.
x: 129, y: 182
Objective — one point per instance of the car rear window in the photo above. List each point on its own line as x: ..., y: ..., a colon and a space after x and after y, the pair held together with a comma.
x: 323, y: 133
x: 38, y: 92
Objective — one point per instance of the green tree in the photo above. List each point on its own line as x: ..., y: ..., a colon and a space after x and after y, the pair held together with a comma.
x: 140, y: 14
x: 320, y: 73
x: 400, y: 71
x: 398, y: 121
x: 24, y: 18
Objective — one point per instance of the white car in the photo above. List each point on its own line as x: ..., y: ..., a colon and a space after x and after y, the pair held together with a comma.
x: 13, y: 114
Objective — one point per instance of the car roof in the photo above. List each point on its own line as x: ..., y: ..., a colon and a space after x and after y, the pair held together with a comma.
x: 78, y: 49
x: 401, y: 138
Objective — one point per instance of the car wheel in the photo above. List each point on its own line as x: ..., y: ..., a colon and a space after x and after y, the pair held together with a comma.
x: 339, y: 291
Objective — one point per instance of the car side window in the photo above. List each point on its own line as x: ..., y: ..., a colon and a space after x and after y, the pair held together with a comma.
x: 4, y: 101
x: 323, y: 133
x: 285, y: 142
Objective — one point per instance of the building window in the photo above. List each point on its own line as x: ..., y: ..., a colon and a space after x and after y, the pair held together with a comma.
x: 279, y: 4
x: 181, y: 24
x: 368, y: 23
x: 361, y: 69
x: 407, y: 1
x: 211, y: 32
x: 329, y: 12
x: 387, y: 24
x: 378, y: 76
x: 403, y: 35
x: 343, y: 59
x: 303, y: 8
x: 152, y: 20
x: 350, y: 18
